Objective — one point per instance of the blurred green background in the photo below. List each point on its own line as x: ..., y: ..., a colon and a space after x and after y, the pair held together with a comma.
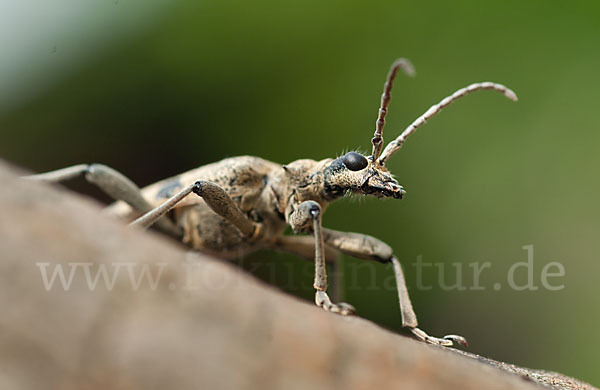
x: 153, y: 88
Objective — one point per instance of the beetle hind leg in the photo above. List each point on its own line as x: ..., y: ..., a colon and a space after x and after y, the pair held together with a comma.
x: 113, y: 183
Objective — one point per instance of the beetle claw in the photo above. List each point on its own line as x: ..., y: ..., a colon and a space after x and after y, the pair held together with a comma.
x: 446, y: 341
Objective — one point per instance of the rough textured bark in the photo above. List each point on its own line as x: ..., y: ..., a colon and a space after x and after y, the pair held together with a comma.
x: 229, y: 332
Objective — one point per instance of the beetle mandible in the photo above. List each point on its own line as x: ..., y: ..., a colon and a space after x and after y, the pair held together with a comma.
x: 245, y: 203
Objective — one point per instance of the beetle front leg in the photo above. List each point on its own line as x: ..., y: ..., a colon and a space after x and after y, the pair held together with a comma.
x: 304, y: 246
x: 309, y: 213
x: 366, y: 247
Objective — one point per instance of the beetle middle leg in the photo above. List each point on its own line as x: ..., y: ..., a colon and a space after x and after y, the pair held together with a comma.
x: 216, y: 198
x: 306, y: 214
x: 367, y: 247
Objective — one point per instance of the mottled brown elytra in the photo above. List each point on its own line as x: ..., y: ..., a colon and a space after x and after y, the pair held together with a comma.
x: 245, y: 203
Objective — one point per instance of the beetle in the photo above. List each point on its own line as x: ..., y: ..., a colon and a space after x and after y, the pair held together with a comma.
x: 245, y: 203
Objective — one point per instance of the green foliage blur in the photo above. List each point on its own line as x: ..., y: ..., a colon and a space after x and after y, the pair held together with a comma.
x: 153, y: 88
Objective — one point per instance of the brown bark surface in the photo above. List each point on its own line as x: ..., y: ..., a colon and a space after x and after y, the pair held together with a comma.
x: 228, y: 332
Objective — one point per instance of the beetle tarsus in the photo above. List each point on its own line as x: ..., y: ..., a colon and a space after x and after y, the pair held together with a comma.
x: 322, y: 300
x: 446, y: 341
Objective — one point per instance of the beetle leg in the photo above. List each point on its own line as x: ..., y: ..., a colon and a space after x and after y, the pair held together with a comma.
x: 217, y: 199
x: 306, y: 214
x: 221, y: 203
x: 113, y: 183
x: 366, y: 247
x: 154, y: 215
x: 304, y: 246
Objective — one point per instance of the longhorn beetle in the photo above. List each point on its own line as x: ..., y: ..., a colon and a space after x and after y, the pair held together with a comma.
x: 245, y: 203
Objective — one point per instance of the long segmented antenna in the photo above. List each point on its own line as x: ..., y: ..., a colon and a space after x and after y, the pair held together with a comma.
x: 396, y: 144
x: 386, y: 96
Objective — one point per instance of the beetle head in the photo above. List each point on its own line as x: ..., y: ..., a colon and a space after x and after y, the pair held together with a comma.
x: 356, y: 174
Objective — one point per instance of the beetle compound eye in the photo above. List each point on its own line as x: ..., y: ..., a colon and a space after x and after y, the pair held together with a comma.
x: 354, y: 161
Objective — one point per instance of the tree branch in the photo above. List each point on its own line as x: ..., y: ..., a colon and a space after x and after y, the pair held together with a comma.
x: 205, y: 324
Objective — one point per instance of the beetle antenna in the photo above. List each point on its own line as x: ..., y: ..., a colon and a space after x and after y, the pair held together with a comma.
x: 396, y: 144
x: 386, y: 96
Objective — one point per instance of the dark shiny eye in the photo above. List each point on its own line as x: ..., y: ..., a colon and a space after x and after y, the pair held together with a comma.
x: 354, y: 161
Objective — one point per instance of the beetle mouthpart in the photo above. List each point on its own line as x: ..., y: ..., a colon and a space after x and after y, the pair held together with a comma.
x: 383, y: 190
x: 401, y: 194
x: 398, y: 191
